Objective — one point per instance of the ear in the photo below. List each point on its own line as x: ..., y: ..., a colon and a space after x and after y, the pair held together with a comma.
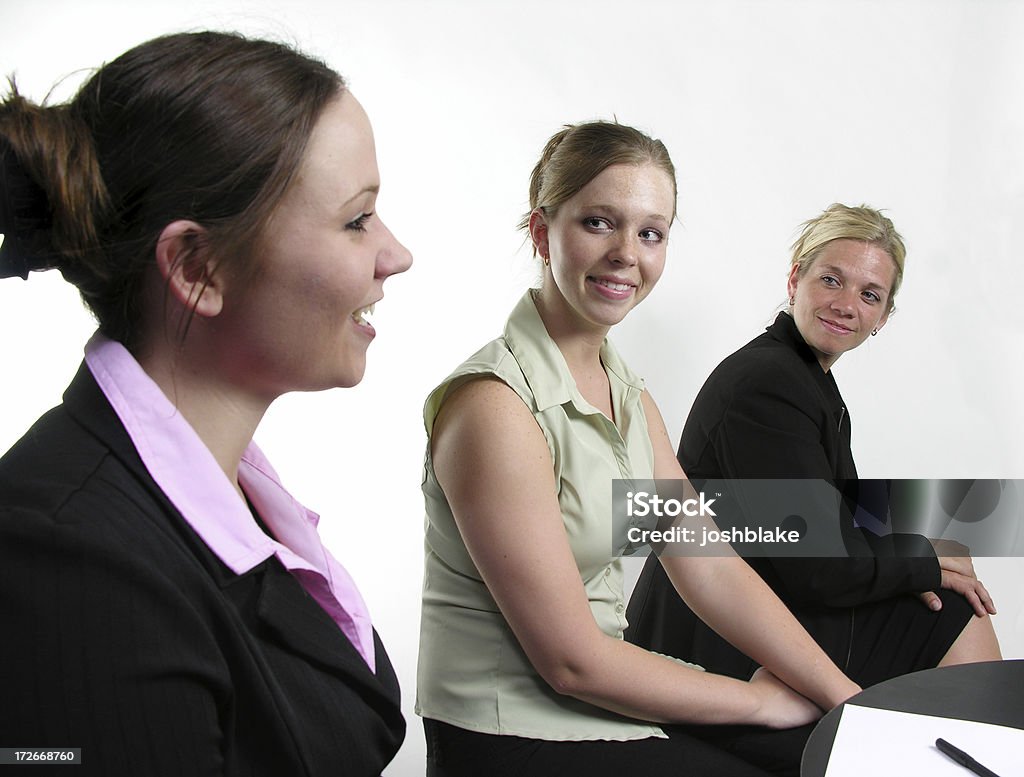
x: 794, y: 279
x: 184, y: 262
x: 539, y: 234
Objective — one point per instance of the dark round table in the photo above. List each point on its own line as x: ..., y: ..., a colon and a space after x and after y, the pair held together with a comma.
x: 989, y: 692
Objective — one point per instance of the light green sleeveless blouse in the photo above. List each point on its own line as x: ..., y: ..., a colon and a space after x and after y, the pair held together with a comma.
x: 472, y: 671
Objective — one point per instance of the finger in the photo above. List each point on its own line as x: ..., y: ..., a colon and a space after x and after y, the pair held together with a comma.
x: 975, y: 602
x: 986, y: 598
x: 974, y: 594
x: 972, y: 590
x: 931, y: 600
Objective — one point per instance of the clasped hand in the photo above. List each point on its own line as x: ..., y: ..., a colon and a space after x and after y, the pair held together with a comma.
x: 781, y: 706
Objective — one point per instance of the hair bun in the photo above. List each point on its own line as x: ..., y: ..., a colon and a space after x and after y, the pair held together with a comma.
x: 25, y: 219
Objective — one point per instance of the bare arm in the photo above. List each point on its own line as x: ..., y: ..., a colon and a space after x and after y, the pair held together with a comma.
x: 492, y: 461
x: 731, y: 598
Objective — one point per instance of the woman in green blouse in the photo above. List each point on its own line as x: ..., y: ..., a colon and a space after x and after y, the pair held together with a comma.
x: 523, y: 669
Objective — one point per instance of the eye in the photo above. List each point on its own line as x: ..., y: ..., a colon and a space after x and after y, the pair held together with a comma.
x: 358, y: 224
x: 651, y: 236
x: 872, y: 297
x: 597, y: 224
x: 830, y: 280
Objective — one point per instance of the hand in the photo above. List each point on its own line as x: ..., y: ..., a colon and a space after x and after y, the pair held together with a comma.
x: 954, y: 557
x: 972, y: 590
x: 781, y: 706
x: 957, y: 569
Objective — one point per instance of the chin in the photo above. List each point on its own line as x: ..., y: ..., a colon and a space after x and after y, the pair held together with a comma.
x: 346, y: 378
x: 611, y: 321
x: 604, y: 316
x: 352, y: 376
x: 347, y: 381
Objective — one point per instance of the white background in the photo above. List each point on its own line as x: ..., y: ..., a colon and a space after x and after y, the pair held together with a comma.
x: 771, y: 110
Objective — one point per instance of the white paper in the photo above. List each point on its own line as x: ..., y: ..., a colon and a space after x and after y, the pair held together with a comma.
x: 879, y: 743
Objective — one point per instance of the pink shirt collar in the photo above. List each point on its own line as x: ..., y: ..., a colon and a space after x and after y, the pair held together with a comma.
x: 191, y: 479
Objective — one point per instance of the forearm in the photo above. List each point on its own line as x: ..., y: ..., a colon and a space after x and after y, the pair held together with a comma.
x: 728, y: 596
x: 621, y: 677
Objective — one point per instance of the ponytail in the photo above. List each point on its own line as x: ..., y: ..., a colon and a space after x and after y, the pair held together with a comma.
x: 51, y: 192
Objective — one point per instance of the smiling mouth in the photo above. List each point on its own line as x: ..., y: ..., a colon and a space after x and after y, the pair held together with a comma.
x: 835, y: 327
x: 611, y: 284
x: 361, y: 315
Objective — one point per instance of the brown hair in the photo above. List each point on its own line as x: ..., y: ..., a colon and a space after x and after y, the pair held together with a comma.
x: 208, y: 126
x: 578, y: 153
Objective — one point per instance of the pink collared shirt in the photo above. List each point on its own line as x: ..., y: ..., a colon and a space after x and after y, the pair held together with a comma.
x: 189, y: 476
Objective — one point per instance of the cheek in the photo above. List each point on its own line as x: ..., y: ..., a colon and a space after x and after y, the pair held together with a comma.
x: 653, y: 270
x: 322, y: 282
x: 809, y: 298
x: 570, y: 249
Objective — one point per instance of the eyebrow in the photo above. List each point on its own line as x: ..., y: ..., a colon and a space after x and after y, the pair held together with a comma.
x: 375, y: 189
x: 614, y: 210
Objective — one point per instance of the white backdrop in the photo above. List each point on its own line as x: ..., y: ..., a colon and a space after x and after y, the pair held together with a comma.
x: 771, y: 111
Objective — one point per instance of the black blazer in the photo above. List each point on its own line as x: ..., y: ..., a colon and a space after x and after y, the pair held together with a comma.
x: 769, y: 411
x: 124, y: 635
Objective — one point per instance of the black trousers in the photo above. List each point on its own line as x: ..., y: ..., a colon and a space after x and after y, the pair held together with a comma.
x: 457, y: 752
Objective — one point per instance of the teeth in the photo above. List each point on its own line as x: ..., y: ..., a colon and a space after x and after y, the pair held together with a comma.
x: 361, y: 314
x: 615, y: 286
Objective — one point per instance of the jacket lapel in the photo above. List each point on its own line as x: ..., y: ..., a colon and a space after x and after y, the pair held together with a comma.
x: 294, y: 620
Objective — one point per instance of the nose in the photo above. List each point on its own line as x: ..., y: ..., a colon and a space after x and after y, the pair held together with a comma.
x: 393, y: 258
x: 625, y: 251
x: 845, y: 301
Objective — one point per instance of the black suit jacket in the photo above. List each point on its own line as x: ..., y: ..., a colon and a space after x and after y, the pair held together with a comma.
x: 770, y: 411
x: 121, y: 633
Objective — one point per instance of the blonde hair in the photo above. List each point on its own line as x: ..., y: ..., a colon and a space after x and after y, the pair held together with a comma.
x: 843, y: 222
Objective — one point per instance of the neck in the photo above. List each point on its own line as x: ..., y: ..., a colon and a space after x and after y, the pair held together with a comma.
x: 579, y: 341
x: 224, y: 416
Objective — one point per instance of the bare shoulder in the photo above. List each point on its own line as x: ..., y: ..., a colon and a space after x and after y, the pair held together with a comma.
x: 486, y: 427
x: 485, y: 401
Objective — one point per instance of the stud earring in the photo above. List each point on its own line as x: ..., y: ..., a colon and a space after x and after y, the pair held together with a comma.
x: 874, y: 332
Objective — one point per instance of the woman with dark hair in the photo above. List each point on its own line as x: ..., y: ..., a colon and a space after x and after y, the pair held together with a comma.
x: 523, y: 669
x: 888, y: 605
x: 167, y: 606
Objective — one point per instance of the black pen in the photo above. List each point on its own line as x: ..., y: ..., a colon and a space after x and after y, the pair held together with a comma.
x: 963, y: 759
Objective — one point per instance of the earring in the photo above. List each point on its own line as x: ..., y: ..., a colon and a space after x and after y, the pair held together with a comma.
x: 874, y: 332
x: 546, y: 259
x: 792, y: 301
